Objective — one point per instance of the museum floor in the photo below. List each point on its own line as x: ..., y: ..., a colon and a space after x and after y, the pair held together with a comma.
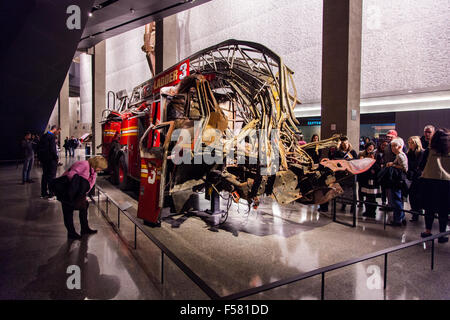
x: 249, y: 250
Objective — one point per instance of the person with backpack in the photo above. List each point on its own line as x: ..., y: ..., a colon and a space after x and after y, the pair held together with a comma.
x: 48, y: 156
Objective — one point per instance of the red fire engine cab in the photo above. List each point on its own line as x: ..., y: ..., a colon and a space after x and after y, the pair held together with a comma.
x: 124, y: 124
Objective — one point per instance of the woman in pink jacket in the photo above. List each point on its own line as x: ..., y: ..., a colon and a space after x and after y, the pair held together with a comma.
x: 78, y: 181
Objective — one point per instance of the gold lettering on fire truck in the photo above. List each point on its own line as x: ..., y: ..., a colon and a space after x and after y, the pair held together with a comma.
x: 166, y: 79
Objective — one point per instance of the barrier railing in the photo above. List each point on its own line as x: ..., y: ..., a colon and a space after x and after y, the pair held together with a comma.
x: 354, y: 201
x: 164, y: 250
x: 324, y: 270
x: 211, y: 293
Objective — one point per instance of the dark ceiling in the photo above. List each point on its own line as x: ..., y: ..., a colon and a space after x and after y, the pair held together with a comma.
x: 112, y: 17
x: 37, y: 49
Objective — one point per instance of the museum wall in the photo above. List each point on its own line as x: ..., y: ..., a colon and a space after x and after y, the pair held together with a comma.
x: 405, y: 45
x: 126, y: 64
x: 412, y: 123
x: 85, y: 88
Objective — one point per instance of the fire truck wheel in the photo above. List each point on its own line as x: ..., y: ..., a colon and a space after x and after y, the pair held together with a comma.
x: 120, y: 170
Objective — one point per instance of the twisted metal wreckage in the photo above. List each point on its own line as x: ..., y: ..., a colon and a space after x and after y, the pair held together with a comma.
x: 234, y: 105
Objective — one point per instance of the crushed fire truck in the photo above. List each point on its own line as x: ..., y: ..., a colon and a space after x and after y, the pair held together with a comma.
x: 219, y: 120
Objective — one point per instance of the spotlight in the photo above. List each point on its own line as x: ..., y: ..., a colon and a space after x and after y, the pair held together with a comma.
x: 90, y: 14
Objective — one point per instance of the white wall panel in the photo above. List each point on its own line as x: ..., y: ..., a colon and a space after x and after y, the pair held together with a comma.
x: 86, y: 88
x: 405, y: 42
x: 126, y: 64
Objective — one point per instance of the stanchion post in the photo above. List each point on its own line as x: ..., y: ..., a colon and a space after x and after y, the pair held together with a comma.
x: 334, y: 209
x: 118, y: 218
x: 354, y: 201
x: 385, y: 270
x: 322, y: 294
x: 162, y: 266
x: 432, y: 254
x: 135, y: 237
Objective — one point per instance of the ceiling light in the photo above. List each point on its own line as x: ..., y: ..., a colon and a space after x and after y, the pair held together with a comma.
x: 90, y: 14
x: 132, y: 10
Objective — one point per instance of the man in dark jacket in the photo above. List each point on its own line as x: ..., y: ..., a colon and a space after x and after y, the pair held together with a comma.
x: 48, y: 156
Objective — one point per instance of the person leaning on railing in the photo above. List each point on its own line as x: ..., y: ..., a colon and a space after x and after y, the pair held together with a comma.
x: 434, y: 183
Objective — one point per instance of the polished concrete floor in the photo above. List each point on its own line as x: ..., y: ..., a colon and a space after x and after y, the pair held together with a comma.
x: 35, y: 253
x: 248, y: 250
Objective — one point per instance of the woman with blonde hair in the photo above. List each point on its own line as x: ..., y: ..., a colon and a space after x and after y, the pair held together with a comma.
x: 71, y: 189
x: 415, y: 156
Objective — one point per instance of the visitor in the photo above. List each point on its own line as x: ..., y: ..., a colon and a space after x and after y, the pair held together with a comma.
x: 345, y: 151
x: 428, y: 132
x: 300, y: 138
x: 66, y: 146
x: 71, y: 189
x: 28, y: 158
x: 381, y: 163
x: 415, y: 155
x: 394, y: 192
x: 48, y: 156
x: 368, y: 152
x: 368, y: 183
x: 315, y: 152
x: 435, y: 183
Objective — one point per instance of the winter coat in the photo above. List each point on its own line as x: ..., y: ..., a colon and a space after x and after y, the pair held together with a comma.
x: 368, y: 180
x: 47, y: 148
x: 84, y: 170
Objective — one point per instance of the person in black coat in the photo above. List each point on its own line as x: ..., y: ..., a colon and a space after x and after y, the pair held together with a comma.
x: 48, y: 156
x: 345, y: 151
x: 415, y: 156
x: 434, y: 184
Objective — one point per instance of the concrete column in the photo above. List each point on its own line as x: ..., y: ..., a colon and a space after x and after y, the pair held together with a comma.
x: 63, y: 111
x: 170, y: 41
x: 341, y: 68
x: 99, y: 93
x: 166, y: 43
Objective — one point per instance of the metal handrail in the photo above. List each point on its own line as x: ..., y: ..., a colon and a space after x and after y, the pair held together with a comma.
x: 164, y: 250
x: 211, y: 293
x: 354, y: 201
x: 335, y: 266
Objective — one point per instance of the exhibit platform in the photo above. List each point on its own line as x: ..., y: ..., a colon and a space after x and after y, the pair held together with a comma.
x: 250, y: 249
